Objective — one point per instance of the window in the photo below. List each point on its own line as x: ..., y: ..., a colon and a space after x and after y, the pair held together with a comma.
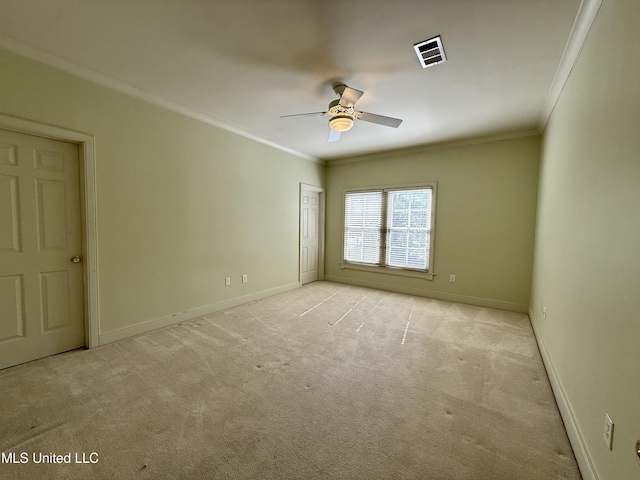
x: 389, y: 228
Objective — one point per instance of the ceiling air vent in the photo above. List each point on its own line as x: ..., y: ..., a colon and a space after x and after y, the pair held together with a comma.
x: 430, y: 52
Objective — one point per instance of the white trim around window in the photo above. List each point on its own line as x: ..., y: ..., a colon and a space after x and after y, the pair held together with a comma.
x: 390, y: 229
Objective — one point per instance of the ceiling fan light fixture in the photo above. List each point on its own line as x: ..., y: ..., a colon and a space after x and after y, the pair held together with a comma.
x: 341, y: 123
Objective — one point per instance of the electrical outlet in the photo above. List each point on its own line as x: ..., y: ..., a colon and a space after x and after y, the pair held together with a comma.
x: 608, y: 431
x: 544, y: 312
x: 227, y: 281
x: 245, y: 278
x: 452, y: 278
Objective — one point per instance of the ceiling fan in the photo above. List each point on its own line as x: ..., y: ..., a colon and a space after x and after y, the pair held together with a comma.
x: 343, y: 114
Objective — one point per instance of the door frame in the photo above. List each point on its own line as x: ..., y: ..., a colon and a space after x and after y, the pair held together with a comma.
x: 321, y: 207
x: 87, y: 170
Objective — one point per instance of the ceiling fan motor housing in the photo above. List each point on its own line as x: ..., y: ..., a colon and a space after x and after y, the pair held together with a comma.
x: 336, y: 109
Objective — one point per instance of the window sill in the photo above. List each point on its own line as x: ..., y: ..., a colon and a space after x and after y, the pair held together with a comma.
x: 387, y: 270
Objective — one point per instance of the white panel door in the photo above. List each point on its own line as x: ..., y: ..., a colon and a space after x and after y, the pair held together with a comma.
x: 309, y: 236
x: 41, y: 288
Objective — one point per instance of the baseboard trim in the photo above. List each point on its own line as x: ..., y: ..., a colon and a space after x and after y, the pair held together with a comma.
x: 418, y: 292
x: 152, y: 325
x: 580, y: 450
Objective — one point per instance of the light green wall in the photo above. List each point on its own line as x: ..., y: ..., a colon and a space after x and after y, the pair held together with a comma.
x: 485, y: 216
x: 181, y: 204
x: 587, y: 253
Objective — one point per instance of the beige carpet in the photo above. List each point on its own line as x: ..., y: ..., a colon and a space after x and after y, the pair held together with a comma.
x: 324, y: 382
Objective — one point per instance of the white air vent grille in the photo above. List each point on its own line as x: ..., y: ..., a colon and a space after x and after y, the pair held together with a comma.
x: 430, y: 52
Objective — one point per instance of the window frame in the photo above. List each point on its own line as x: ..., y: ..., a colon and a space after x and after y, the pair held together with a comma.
x: 382, y: 267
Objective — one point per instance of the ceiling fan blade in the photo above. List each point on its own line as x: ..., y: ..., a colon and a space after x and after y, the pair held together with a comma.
x: 379, y: 119
x: 312, y: 114
x: 349, y: 96
x: 333, y: 135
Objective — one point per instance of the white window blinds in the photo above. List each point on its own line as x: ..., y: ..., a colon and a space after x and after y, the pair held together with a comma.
x: 408, y: 228
x: 389, y: 227
x: 362, y: 227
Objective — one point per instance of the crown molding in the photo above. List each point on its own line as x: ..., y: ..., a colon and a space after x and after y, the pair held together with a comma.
x: 85, y: 73
x: 587, y: 14
x: 434, y: 146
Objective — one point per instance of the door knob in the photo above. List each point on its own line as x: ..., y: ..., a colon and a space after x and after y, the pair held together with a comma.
x: 76, y: 259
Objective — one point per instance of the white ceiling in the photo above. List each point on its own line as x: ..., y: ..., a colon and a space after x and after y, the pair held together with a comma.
x: 243, y: 63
